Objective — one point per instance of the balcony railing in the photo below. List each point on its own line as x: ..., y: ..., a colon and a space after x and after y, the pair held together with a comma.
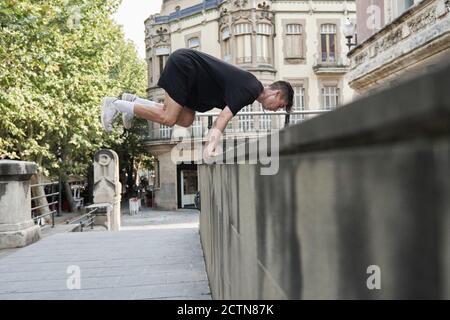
x: 331, y: 63
x: 249, y: 124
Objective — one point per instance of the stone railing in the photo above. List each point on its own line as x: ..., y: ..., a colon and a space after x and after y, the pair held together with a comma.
x: 331, y: 63
x: 359, y: 207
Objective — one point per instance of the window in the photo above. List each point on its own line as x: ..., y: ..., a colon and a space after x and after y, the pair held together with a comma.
x: 330, y: 97
x: 263, y: 43
x: 229, y: 128
x: 395, y: 8
x: 265, y: 121
x: 162, y: 54
x: 328, y: 42
x: 150, y: 71
x: 246, y: 122
x: 243, y: 42
x: 194, y: 43
x: 165, y: 132
x: 197, y: 128
x: 162, y: 60
x: 299, y: 104
x: 294, y: 41
x: 190, y: 183
x: 409, y: 3
x: 226, y: 50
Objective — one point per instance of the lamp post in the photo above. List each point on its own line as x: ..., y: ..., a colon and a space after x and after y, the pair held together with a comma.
x: 350, y: 32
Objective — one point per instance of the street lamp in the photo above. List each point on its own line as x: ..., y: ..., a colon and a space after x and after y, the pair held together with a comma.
x: 349, y: 32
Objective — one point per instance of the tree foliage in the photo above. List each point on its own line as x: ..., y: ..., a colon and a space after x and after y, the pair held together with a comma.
x: 58, y: 59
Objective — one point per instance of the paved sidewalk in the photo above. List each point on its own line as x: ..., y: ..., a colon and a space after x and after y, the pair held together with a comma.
x: 157, y: 256
x: 47, y: 230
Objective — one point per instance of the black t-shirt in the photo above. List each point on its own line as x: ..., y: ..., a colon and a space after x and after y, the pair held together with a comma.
x: 202, y: 82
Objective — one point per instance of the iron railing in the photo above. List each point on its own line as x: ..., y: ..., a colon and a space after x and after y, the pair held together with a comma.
x: 333, y: 60
x: 245, y: 124
x: 53, y: 206
x: 86, y: 220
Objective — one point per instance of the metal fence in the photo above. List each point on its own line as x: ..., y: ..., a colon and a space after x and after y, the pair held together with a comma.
x: 85, y: 221
x: 53, y: 205
x: 245, y: 123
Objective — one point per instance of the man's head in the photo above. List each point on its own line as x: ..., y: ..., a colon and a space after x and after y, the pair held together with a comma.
x: 277, y: 96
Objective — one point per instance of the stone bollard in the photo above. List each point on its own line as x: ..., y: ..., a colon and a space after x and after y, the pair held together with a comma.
x: 17, y: 229
x: 107, y: 187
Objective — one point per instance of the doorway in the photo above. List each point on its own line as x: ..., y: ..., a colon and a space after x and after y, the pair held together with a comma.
x: 187, y: 185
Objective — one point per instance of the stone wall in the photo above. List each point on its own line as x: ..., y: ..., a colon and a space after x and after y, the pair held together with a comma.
x: 366, y: 185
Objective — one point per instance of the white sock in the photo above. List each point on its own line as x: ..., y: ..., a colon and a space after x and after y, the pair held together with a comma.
x: 124, y: 106
x: 144, y: 102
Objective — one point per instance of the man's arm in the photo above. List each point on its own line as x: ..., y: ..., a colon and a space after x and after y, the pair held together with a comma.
x: 213, y: 137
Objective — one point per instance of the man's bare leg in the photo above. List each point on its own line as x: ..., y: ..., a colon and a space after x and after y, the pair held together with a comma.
x: 166, y: 114
x: 169, y: 113
x: 185, y: 118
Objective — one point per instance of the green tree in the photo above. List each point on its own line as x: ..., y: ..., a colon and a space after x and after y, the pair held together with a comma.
x: 59, y: 58
x: 129, y: 72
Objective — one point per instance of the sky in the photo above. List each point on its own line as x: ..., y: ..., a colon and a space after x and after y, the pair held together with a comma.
x: 131, y: 15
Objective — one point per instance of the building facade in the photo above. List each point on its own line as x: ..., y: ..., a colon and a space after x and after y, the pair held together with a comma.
x: 398, y: 39
x: 298, y: 41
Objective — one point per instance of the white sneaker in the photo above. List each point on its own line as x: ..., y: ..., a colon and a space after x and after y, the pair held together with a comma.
x: 127, y: 119
x: 109, y: 113
x: 129, y: 97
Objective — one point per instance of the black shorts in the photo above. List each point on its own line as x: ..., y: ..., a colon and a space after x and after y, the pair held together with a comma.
x: 178, y: 79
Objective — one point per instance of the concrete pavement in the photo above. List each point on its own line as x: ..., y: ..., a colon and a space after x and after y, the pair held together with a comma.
x: 157, y: 256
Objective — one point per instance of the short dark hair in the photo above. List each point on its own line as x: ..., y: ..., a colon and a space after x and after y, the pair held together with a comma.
x: 287, y: 92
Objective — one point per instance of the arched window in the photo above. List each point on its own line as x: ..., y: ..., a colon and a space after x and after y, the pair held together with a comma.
x: 243, y: 42
x: 328, y: 42
x: 294, y: 41
x: 264, y: 43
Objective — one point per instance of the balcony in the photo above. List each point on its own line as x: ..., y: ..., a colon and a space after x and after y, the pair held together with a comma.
x: 330, y: 64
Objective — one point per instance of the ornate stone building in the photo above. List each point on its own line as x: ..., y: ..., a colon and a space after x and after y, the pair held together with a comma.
x: 298, y: 41
x: 398, y: 39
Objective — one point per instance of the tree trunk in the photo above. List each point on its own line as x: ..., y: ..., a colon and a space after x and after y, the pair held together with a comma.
x: 42, y: 201
x: 68, y: 192
x: 90, y: 184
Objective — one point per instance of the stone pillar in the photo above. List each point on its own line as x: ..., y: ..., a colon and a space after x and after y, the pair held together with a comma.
x: 17, y: 229
x: 107, y: 188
